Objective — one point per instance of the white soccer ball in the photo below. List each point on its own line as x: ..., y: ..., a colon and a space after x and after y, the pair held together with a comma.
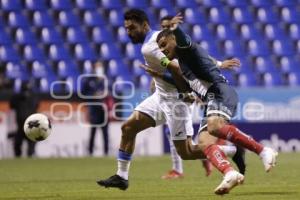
x: 37, y: 127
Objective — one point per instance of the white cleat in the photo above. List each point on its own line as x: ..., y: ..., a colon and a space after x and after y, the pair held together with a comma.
x: 230, y: 180
x: 268, y: 157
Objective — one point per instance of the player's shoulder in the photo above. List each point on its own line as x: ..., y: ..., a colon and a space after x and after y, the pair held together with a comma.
x: 150, y: 41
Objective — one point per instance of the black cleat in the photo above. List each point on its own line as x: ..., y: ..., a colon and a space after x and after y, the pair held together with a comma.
x: 239, y: 159
x: 115, y: 181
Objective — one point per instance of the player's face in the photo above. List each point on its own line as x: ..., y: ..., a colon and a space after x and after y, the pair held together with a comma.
x: 167, y: 45
x: 165, y: 24
x: 136, y: 32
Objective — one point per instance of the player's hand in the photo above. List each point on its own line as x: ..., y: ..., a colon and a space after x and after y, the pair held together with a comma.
x: 189, y: 98
x: 175, y: 21
x: 150, y: 71
x: 231, y: 63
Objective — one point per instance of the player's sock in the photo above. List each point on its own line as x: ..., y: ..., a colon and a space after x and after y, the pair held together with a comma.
x: 124, y: 159
x: 176, y: 159
x: 229, y: 150
x: 218, y: 158
x: 233, y: 134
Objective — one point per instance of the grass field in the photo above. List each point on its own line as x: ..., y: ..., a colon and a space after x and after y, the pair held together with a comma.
x: 75, y: 179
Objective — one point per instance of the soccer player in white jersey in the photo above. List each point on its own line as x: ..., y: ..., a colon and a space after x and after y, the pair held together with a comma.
x: 163, y: 106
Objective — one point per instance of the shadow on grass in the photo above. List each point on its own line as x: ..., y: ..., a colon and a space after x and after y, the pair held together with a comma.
x: 266, y: 193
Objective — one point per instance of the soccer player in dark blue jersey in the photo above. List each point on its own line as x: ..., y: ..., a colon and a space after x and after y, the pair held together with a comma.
x: 205, y: 78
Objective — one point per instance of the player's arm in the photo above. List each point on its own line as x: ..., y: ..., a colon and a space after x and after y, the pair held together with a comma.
x: 164, y: 76
x: 227, y: 64
x: 176, y: 73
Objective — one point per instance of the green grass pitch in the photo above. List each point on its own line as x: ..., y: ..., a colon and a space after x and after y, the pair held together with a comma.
x: 74, y: 179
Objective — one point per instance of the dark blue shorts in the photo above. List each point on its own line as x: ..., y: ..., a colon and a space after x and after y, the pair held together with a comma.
x: 221, y: 100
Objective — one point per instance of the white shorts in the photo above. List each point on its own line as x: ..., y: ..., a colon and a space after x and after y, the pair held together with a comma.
x: 170, y: 110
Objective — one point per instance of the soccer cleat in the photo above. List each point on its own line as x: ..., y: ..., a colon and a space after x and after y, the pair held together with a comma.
x: 207, y: 166
x: 268, y: 157
x: 230, y: 180
x: 239, y: 159
x: 114, y: 181
x: 173, y: 174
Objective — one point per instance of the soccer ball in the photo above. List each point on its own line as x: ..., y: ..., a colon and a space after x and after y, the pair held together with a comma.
x: 37, y: 127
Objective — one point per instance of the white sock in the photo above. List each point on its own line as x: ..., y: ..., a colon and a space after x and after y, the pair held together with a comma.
x: 123, y: 168
x: 229, y: 150
x: 176, y: 159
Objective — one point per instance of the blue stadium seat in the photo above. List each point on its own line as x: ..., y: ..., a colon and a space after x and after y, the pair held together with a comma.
x: 61, y: 5
x: 211, y: 48
x: 144, y: 82
x: 36, y: 5
x: 298, y: 47
x: 282, y: 48
x: 67, y: 18
x: 25, y: 36
x: 39, y: 69
x: 86, y: 5
x: 289, y: 64
x: 200, y: 33
x: 248, y: 32
x: 161, y: 4
x: 242, y: 16
x: 264, y: 65
x: 13, y: 70
x: 212, y: 3
x: 133, y: 51
x: 136, y: 69
x: 111, y: 4
x: 109, y: 51
x: 257, y: 48
x: 259, y: 3
x: 65, y: 68
x: 142, y: 4
x: 165, y: 11
x: 266, y: 15
x: 273, y: 32
x: 237, y: 3
x: 100, y: 35
x: 10, y: 5
x: 87, y: 67
x: 294, y: 31
x: 293, y: 79
x: 218, y: 16
x: 45, y: 82
x: 76, y: 35
x: 93, y: 18
x: 185, y: 4
x: 8, y: 53
x: 50, y: 36
x: 32, y: 52
x: 233, y: 48
x: 271, y: 79
x: 84, y: 52
x: 116, y: 67
x: 224, y: 32
x: 115, y: 18
x: 289, y: 3
x: 58, y: 52
x: 4, y: 38
x: 289, y: 15
x: 122, y: 35
x: 246, y: 80
x: 42, y: 19
x: 16, y: 20
x: 193, y: 16
x: 244, y: 68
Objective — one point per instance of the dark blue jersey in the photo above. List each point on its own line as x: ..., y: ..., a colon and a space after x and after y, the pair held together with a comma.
x: 195, y: 62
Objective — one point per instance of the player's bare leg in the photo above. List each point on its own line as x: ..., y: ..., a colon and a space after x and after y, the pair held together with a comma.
x: 135, y: 124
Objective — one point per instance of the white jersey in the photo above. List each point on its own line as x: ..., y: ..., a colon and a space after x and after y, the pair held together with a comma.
x: 153, y: 56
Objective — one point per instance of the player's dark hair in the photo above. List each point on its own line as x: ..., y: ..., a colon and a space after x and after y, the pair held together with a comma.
x: 164, y: 33
x: 136, y: 15
x: 167, y: 17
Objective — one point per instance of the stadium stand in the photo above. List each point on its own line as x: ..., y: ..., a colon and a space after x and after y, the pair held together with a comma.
x: 52, y: 39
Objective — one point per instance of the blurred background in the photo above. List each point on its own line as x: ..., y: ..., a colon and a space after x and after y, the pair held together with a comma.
x: 74, y: 59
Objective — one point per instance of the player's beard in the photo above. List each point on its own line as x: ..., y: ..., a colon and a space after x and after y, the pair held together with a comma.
x: 138, y: 38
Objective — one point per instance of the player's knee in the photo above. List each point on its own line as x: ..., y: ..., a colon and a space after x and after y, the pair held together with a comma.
x: 213, y: 125
x: 183, y: 155
x: 128, y: 132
